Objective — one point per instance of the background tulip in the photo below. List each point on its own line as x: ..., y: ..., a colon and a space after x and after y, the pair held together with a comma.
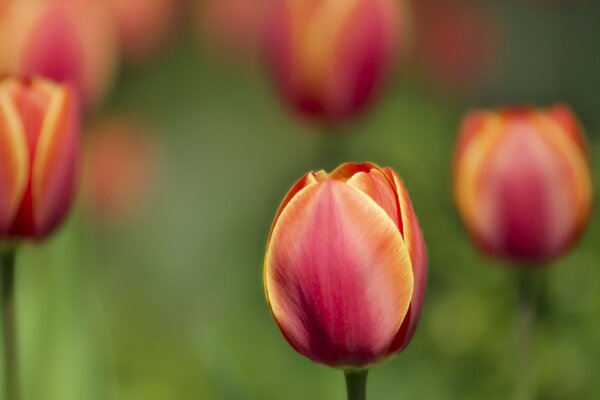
x: 522, y: 181
x: 69, y: 41
x: 345, y: 268
x: 144, y: 27
x: 39, y: 149
x: 329, y: 58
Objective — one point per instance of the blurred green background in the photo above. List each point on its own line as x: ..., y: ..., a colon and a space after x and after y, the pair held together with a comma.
x: 171, y: 306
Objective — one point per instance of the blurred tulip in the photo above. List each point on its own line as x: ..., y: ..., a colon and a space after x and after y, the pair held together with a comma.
x: 345, y: 268
x: 144, y: 26
x: 69, y: 41
x: 522, y: 181
x: 39, y: 154
x: 329, y: 58
x: 232, y: 27
x: 122, y: 168
x: 457, y: 42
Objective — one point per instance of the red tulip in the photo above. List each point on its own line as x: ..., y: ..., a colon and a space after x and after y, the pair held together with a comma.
x: 69, y: 41
x: 329, y: 58
x: 457, y: 42
x: 231, y: 26
x: 122, y: 168
x: 144, y: 26
x: 523, y: 182
x: 39, y: 151
x: 345, y: 268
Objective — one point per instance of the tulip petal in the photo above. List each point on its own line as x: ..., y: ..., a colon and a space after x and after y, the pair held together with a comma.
x: 564, y: 117
x: 338, y: 275
x: 55, y: 169
x: 413, y: 237
x: 14, y: 168
x: 377, y: 186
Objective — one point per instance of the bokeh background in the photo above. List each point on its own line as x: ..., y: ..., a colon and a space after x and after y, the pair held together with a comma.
x: 160, y: 296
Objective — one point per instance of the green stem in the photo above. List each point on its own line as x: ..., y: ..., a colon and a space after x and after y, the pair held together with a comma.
x: 330, y: 151
x: 356, y: 384
x: 11, y: 370
x: 525, y: 334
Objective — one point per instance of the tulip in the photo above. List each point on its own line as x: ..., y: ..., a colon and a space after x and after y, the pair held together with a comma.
x: 329, y: 58
x: 144, y: 27
x: 231, y: 27
x: 71, y: 41
x: 122, y: 168
x: 39, y: 151
x: 345, y: 267
x: 523, y: 182
x: 457, y: 43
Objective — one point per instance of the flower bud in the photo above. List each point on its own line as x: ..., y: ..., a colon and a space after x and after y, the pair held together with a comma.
x: 144, y: 27
x: 346, y: 265
x: 70, y: 41
x: 329, y: 58
x: 39, y: 152
x: 522, y: 181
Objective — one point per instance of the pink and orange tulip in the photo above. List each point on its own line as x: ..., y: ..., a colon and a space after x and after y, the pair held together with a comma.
x: 329, y: 58
x: 70, y: 41
x: 144, y: 27
x: 346, y: 265
x: 39, y: 153
x: 522, y: 181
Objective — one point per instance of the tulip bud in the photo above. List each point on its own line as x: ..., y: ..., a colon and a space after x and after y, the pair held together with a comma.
x: 346, y: 265
x: 329, y: 58
x: 69, y: 41
x: 144, y: 26
x: 39, y: 152
x: 522, y: 181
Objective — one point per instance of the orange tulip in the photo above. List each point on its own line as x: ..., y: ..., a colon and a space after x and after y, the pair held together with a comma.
x: 144, y: 26
x: 123, y: 165
x: 345, y: 268
x: 39, y: 152
x: 329, y: 58
x: 522, y: 181
x: 69, y: 41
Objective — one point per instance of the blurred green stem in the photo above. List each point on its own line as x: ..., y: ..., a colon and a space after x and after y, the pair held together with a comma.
x: 11, y: 374
x: 525, y: 333
x: 330, y: 152
x: 356, y: 384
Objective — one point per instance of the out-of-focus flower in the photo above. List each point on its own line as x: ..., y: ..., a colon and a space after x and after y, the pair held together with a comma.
x: 144, y: 26
x: 346, y: 265
x: 123, y: 165
x: 71, y: 41
x: 231, y: 27
x: 522, y: 181
x: 39, y: 154
x: 329, y: 58
x: 458, y: 43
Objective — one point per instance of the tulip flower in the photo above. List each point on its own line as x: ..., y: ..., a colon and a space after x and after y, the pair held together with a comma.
x: 522, y: 181
x: 71, y: 41
x: 144, y: 26
x: 522, y: 184
x: 345, y: 267
x: 329, y: 58
x: 39, y: 151
x: 122, y: 168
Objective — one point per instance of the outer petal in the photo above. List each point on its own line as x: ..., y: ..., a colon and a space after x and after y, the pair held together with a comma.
x: 564, y: 117
x: 14, y: 159
x: 413, y: 237
x: 338, y: 276
x: 55, y: 167
x: 377, y: 186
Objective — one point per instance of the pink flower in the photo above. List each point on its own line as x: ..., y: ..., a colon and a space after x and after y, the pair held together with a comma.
x: 39, y: 153
x: 345, y: 268
x: 522, y: 181
x: 330, y: 58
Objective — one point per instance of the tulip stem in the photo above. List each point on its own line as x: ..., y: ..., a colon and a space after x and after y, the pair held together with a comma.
x: 11, y: 374
x: 525, y: 335
x: 356, y: 384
